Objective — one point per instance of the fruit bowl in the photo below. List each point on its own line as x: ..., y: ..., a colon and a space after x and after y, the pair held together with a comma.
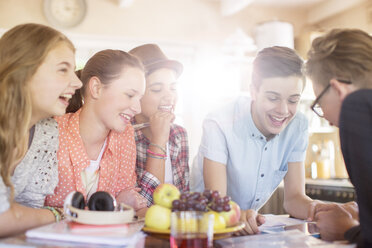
x: 218, y: 234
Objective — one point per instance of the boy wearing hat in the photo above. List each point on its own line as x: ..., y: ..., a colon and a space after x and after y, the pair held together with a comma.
x: 162, y: 146
x: 250, y: 145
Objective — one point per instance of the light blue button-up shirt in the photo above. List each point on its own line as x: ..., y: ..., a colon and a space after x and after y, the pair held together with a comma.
x: 254, y: 166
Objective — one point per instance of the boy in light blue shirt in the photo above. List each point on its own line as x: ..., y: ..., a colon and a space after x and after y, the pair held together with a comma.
x: 251, y: 144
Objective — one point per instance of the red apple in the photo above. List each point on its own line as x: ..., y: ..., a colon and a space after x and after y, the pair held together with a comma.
x: 231, y: 217
x: 165, y: 194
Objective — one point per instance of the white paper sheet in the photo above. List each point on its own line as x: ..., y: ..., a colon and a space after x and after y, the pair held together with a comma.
x: 61, y: 232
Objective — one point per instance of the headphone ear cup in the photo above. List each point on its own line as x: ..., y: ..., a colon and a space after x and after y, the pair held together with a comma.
x: 78, y: 200
x: 101, y: 201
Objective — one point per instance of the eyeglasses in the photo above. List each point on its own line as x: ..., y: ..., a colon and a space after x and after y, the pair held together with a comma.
x: 316, y: 107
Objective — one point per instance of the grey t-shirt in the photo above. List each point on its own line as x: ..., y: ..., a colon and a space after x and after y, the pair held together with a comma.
x: 36, y: 175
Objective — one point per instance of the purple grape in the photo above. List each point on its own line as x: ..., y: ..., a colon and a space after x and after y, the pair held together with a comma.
x: 226, y: 207
x: 219, y: 209
x: 215, y: 194
x: 203, y: 199
x: 176, y: 204
x: 194, y: 196
x: 182, y: 206
x: 219, y: 201
x: 227, y: 199
x: 183, y: 196
x: 207, y: 192
x: 190, y: 203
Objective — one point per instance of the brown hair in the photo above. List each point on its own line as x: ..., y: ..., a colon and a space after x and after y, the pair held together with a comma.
x: 276, y: 61
x: 22, y: 50
x: 107, y: 65
x: 344, y: 54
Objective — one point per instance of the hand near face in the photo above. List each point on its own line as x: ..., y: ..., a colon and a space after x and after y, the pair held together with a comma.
x: 132, y: 198
x: 160, y: 124
x: 333, y: 221
x: 252, y: 221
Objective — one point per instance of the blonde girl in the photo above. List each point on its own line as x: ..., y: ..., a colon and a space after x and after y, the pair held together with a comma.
x: 37, y: 79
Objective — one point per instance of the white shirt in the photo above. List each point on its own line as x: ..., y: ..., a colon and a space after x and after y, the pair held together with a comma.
x: 90, y: 175
x: 254, y: 166
x: 168, y: 177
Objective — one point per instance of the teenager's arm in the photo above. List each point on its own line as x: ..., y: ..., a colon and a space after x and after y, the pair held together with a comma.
x: 18, y: 219
x: 296, y: 203
x: 214, y: 174
x: 160, y: 129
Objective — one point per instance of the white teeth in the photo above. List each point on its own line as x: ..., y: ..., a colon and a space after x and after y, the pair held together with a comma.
x: 166, y: 107
x: 277, y: 119
x: 125, y: 116
x: 67, y: 96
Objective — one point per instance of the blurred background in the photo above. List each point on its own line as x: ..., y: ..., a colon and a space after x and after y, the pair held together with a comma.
x: 216, y: 41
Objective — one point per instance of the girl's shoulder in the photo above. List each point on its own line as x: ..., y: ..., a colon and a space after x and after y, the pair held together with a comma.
x: 48, y: 124
x: 46, y: 133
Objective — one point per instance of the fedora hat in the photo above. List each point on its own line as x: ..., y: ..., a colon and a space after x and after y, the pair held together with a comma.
x: 153, y: 58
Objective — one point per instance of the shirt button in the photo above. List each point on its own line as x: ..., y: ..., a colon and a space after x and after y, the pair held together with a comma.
x: 252, y: 134
x: 265, y: 148
x: 257, y: 200
x: 262, y: 175
x: 261, y: 137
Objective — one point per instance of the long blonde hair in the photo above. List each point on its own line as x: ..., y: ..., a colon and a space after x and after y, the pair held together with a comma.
x: 22, y: 50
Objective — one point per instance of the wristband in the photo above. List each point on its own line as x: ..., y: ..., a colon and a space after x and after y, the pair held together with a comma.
x: 61, y: 213
x: 161, y: 148
x: 56, y: 213
x: 156, y: 154
x: 152, y: 156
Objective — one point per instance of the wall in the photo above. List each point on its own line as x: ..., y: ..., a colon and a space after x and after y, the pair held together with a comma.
x: 157, y: 20
x: 359, y: 16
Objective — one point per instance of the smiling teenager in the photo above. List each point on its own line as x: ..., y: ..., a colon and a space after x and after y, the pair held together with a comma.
x: 37, y: 78
x: 162, y: 147
x: 97, y: 150
x: 340, y: 67
x: 252, y: 143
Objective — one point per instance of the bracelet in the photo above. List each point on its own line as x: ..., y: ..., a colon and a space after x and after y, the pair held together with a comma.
x: 156, y: 154
x: 151, y: 156
x: 161, y: 148
x: 56, y: 213
x: 61, y: 213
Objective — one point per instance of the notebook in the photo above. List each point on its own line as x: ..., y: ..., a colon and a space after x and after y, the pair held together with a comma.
x: 117, y: 235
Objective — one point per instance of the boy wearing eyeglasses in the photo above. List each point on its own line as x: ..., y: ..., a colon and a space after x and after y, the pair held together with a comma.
x: 340, y: 67
x: 250, y: 145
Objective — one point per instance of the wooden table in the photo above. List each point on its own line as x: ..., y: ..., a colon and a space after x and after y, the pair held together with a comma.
x: 150, y: 241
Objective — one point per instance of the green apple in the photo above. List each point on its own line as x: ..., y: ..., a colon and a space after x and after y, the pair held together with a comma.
x: 165, y: 194
x: 231, y: 217
x: 158, y: 217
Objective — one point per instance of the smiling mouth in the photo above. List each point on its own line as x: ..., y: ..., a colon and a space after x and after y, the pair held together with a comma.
x: 126, y: 116
x: 65, y: 97
x: 167, y: 108
x: 277, y: 121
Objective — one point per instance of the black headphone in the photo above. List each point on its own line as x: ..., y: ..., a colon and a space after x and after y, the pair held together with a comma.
x: 99, y: 201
